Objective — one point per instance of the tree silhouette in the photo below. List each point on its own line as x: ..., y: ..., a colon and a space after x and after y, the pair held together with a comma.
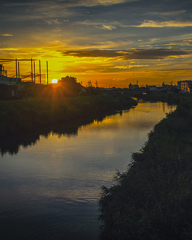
x: 68, y: 80
x: 70, y: 86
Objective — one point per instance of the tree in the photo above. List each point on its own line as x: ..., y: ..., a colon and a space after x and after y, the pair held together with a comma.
x: 68, y: 80
x: 70, y: 87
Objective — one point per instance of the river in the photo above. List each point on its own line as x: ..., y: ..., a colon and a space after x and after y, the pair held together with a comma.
x: 50, y: 186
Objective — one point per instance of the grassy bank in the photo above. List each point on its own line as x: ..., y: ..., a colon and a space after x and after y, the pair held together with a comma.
x: 29, y: 114
x: 153, y: 199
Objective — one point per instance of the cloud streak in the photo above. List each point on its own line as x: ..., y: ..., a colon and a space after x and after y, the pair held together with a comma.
x: 154, y: 24
x: 67, y: 3
x: 6, y: 35
x: 132, y: 54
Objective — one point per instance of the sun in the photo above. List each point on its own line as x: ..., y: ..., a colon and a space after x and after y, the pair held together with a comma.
x: 54, y: 81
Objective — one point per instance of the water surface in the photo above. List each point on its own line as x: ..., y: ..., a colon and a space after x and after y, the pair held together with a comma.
x: 50, y: 188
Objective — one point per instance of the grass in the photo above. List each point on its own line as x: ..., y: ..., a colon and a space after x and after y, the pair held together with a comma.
x: 153, y: 199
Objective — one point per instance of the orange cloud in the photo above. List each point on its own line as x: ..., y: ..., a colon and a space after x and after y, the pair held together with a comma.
x: 6, y: 35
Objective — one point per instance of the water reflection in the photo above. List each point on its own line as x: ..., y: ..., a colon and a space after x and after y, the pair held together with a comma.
x: 11, y: 144
x: 50, y: 188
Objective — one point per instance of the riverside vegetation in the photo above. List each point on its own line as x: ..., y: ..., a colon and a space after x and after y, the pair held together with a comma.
x: 18, y: 116
x: 153, y: 199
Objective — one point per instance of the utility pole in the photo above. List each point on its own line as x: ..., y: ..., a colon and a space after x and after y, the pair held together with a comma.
x: 18, y: 71
x: 89, y: 83
x: 40, y: 71
x: 47, y: 73
x: 16, y: 67
x: 31, y: 70
x: 34, y: 70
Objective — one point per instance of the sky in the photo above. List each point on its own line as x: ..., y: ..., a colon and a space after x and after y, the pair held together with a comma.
x: 111, y: 42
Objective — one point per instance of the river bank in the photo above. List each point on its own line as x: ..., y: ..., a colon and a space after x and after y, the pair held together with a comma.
x: 28, y: 114
x: 152, y: 200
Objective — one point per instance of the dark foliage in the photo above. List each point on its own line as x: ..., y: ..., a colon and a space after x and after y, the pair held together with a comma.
x: 153, y: 199
x: 34, y: 113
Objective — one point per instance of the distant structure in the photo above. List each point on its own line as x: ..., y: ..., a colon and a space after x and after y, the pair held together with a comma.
x: 2, y: 71
x: 179, y: 84
x: 185, y: 86
x: 133, y: 86
x: 89, y: 84
x: 7, y: 80
x: 9, y: 87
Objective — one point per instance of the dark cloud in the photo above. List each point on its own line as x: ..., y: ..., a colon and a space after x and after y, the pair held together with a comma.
x: 132, y: 54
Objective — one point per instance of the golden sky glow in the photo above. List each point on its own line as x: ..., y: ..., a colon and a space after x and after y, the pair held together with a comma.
x: 112, y: 42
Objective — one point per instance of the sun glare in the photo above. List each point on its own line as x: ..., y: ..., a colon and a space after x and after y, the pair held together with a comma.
x: 54, y: 80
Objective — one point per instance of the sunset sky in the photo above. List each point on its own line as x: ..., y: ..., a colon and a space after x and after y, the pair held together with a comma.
x: 113, y: 42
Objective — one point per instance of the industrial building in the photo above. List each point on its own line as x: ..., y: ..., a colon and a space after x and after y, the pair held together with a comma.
x: 9, y: 87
